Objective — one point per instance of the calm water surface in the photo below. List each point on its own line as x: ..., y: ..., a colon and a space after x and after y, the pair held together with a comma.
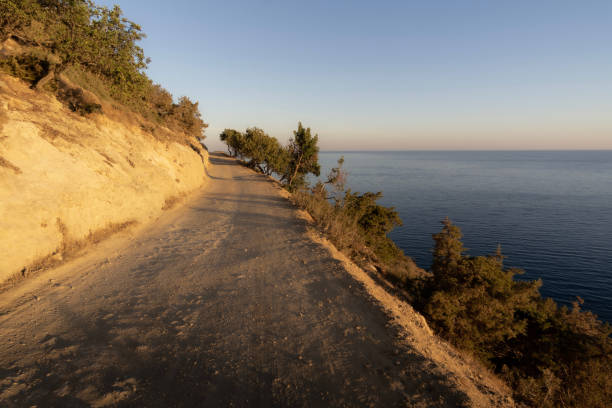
x: 550, y: 211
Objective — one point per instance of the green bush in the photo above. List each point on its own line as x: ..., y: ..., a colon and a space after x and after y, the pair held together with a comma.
x: 76, y: 102
x: 26, y: 67
x: 95, y: 47
x: 358, y: 226
x: 302, y: 159
x: 551, y: 356
x: 234, y: 141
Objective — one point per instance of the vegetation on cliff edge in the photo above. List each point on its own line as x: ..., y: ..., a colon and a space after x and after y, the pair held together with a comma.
x: 85, y: 54
x: 354, y: 222
x: 551, y: 356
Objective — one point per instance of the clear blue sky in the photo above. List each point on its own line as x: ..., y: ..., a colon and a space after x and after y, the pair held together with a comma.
x: 391, y: 74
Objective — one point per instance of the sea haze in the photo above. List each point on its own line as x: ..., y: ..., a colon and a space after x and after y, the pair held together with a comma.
x: 551, y: 211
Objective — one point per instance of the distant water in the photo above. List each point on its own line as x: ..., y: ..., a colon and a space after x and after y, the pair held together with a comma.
x: 551, y: 211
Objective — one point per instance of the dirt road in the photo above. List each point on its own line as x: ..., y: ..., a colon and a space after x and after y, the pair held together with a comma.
x: 222, y: 302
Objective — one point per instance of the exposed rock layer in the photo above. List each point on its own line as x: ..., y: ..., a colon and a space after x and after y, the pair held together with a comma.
x: 64, y: 177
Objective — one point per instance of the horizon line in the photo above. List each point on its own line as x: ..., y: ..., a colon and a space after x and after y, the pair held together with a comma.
x: 462, y: 150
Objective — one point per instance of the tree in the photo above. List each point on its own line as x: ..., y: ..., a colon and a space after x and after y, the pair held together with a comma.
x: 161, y: 101
x: 280, y: 160
x: 474, y: 301
x: 303, y: 154
x: 264, y: 152
x: 373, y: 218
x: 374, y: 222
x: 336, y: 179
x: 275, y: 156
x: 63, y: 40
x: 256, y: 147
x: 188, y: 117
x: 78, y: 32
x: 14, y: 15
x: 234, y: 141
x: 448, y: 252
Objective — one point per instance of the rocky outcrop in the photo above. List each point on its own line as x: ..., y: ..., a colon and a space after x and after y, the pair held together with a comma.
x: 64, y: 177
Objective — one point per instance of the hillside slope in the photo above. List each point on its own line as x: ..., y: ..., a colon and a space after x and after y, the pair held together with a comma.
x: 65, y: 179
x: 224, y: 301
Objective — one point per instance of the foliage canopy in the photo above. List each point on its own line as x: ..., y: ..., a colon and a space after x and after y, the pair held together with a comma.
x: 64, y: 37
x: 552, y: 356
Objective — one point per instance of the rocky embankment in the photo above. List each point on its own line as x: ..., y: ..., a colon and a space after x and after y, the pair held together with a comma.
x: 66, y: 179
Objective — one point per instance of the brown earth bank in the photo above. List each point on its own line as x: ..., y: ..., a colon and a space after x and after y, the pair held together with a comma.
x: 224, y: 301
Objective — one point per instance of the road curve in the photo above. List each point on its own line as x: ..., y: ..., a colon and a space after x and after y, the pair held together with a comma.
x: 224, y: 301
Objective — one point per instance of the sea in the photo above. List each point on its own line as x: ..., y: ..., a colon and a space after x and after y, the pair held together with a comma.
x: 551, y: 211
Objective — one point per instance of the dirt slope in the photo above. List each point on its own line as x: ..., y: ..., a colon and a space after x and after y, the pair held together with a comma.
x: 225, y: 301
x: 64, y: 177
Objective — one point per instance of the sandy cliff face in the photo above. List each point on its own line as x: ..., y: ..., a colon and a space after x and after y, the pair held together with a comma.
x: 64, y: 177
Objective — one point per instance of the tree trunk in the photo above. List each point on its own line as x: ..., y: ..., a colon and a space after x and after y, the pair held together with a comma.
x: 297, y: 167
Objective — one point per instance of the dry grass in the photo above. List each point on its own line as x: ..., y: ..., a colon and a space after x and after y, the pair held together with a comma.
x: 342, y: 232
x: 346, y: 235
x: 110, y: 108
x: 107, y: 159
x: 7, y: 164
x: 68, y: 249
x: 3, y: 117
x: 89, y: 81
x: 51, y: 133
x: 123, y: 114
x: 172, y: 201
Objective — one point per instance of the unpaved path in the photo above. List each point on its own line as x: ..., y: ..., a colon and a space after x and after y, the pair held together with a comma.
x: 223, y: 302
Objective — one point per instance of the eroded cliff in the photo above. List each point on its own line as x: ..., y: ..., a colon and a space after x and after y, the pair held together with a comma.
x: 65, y: 178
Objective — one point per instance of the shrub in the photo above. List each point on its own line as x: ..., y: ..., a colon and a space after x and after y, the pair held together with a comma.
x: 551, y: 356
x: 303, y: 158
x: 24, y: 67
x: 358, y: 226
x: 77, y: 103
